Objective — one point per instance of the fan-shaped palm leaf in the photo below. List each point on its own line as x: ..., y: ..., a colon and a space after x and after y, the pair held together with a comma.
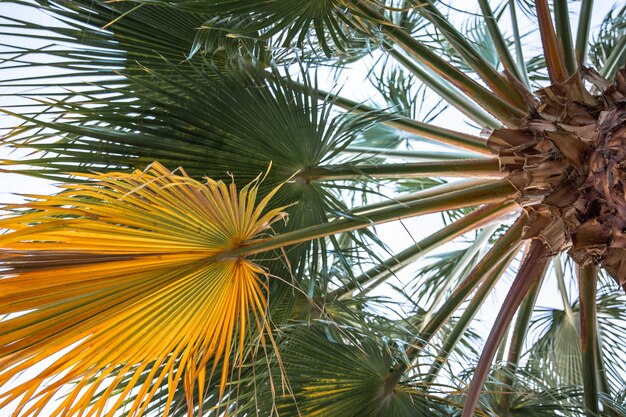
x: 556, y: 355
x: 291, y: 20
x: 246, y: 118
x: 334, y: 372
x: 530, y: 396
x: 122, y: 272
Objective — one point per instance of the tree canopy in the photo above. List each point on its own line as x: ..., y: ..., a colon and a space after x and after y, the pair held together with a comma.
x: 226, y: 238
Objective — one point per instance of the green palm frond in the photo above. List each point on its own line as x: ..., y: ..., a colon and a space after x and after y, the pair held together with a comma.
x: 343, y: 373
x: 556, y: 356
x: 97, y: 38
x: 435, y: 274
x: 248, y: 120
x: 607, y: 51
x: 295, y: 22
x: 404, y: 95
x: 532, y: 396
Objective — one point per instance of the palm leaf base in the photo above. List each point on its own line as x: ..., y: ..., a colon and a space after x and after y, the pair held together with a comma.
x: 567, y: 163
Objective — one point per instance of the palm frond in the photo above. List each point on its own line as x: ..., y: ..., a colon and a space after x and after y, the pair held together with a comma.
x: 555, y: 356
x: 531, y: 396
x: 241, y: 121
x: 293, y: 21
x: 344, y: 373
x: 120, y: 271
x: 607, y: 50
x: 141, y: 291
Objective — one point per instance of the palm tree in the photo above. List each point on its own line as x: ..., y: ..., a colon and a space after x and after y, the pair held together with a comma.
x: 212, y: 249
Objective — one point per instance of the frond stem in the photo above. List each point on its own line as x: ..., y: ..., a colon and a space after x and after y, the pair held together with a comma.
x: 406, y: 154
x: 496, y: 191
x: 560, y: 280
x: 482, y: 272
x: 459, y: 268
x: 551, y: 48
x: 517, y: 341
x: 582, y: 37
x: 532, y: 270
x: 487, y: 73
x: 564, y: 35
x: 615, y: 60
x: 379, y: 273
x: 507, y: 244
x: 444, y: 90
x: 587, y: 282
x: 439, y: 134
x: 499, y: 42
x: 495, y: 105
x: 468, y: 315
x: 517, y: 39
x: 428, y: 192
x: 469, y: 168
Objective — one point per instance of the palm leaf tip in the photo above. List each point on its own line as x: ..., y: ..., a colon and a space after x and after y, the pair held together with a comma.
x: 129, y: 275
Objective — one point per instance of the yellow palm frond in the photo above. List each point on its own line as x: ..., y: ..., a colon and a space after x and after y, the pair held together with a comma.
x: 129, y: 276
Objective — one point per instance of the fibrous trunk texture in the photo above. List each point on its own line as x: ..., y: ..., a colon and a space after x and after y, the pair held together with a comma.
x: 568, y: 163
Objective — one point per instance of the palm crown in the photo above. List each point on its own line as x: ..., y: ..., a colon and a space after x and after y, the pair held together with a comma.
x: 244, y: 282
